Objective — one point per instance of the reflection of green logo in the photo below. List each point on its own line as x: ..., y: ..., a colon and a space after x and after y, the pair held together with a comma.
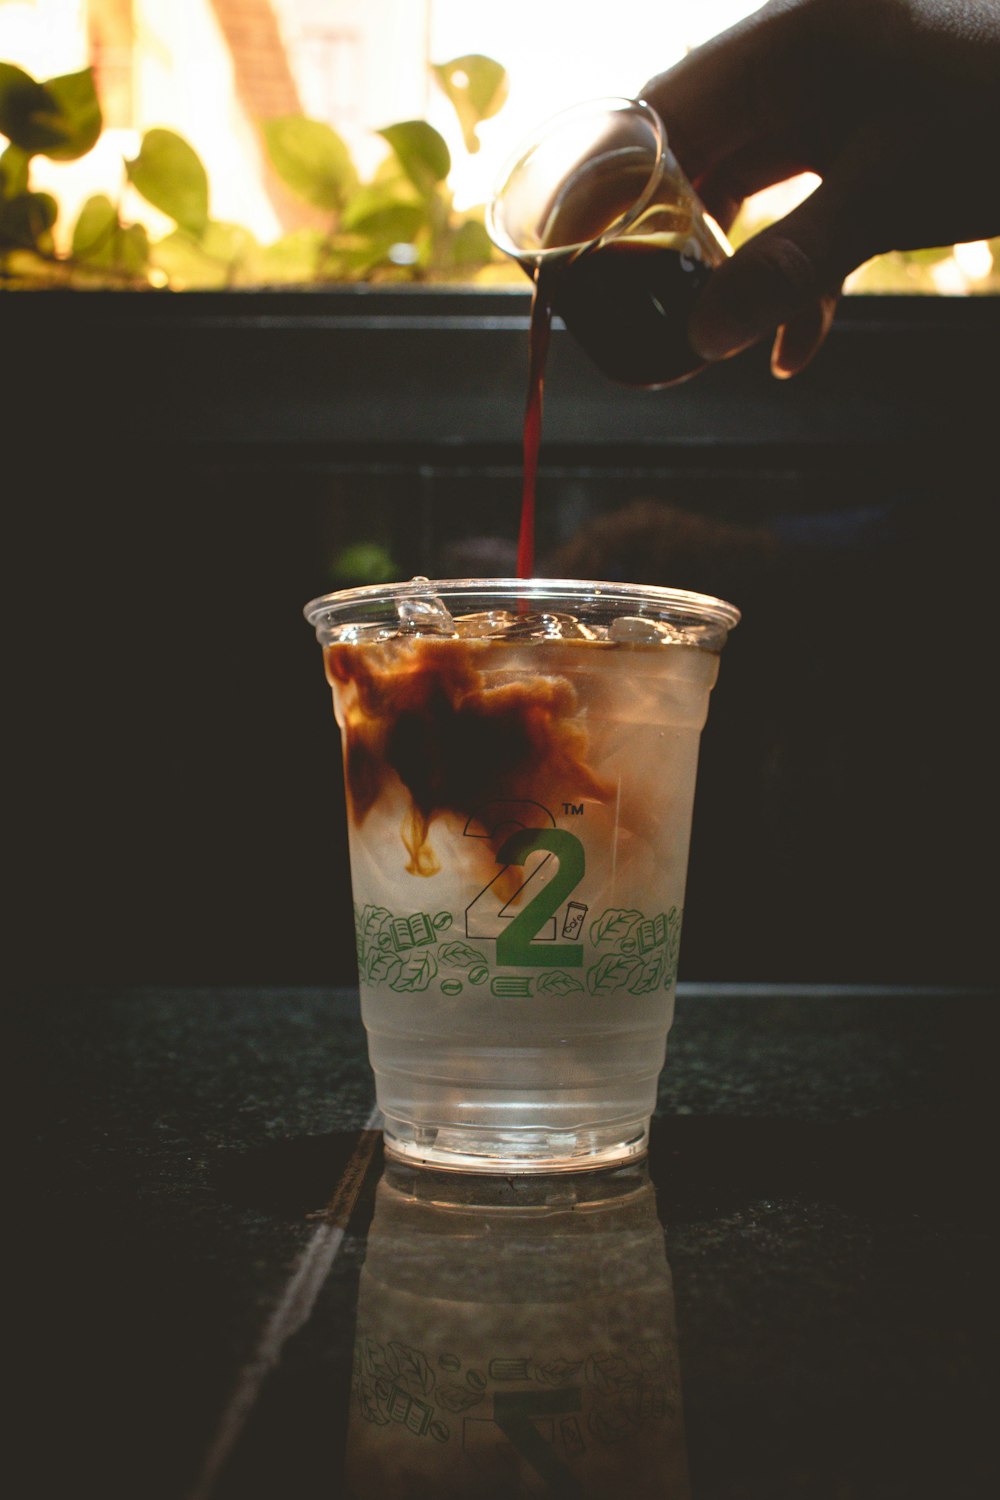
x: 609, y: 1394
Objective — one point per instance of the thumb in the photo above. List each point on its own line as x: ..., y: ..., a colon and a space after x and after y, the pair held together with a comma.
x: 787, y: 275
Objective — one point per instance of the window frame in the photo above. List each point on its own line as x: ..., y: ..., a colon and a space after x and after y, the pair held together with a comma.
x: 415, y: 375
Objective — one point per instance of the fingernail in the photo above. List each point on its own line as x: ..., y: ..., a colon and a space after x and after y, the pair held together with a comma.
x: 800, y: 339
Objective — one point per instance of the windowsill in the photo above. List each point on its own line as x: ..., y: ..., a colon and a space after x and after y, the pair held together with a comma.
x: 409, y: 371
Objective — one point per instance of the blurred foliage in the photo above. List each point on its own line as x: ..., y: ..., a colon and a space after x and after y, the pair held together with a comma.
x: 897, y: 271
x: 401, y: 225
x: 362, y: 562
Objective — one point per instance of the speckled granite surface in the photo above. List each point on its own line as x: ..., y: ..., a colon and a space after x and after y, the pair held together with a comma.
x: 819, y: 1165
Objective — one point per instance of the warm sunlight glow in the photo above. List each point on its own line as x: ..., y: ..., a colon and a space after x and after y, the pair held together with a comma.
x: 215, y: 72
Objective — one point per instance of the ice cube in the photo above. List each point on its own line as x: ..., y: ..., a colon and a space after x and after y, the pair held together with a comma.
x: 546, y: 625
x: 488, y: 623
x: 636, y: 630
x: 423, y: 613
x: 356, y: 634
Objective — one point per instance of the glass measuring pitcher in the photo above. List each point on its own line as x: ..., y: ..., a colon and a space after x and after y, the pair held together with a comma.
x: 598, y: 212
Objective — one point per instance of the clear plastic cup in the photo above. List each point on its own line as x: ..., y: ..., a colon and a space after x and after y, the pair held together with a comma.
x: 520, y: 760
x: 596, y: 209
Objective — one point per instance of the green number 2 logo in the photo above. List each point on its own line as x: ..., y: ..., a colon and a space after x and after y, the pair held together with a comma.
x: 515, y: 945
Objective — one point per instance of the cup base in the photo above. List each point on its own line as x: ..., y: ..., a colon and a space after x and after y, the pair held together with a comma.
x: 515, y: 1152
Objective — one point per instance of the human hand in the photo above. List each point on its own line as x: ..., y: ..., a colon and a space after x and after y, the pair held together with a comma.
x: 895, y: 104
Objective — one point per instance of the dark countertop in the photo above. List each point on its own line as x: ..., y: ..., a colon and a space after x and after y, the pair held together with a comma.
x: 194, y: 1195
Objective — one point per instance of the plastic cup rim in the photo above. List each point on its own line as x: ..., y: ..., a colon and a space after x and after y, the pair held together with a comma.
x: 685, y: 602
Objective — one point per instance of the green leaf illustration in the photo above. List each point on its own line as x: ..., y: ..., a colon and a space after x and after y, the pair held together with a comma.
x: 312, y: 159
x: 648, y: 976
x: 610, y: 974
x: 456, y: 1398
x: 674, y: 933
x: 554, y: 1371
x: 609, y: 1372
x: 370, y: 921
x: 477, y: 88
x: 370, y: 1409
x: 558, y: 983
x: 410, y: 1367
x: 422, y: 153
x: 169, y: 175
x: 380, y: 963
x: 460, y: 956
x: 374, y: 1357
x: 415, y: 973
x: 613, y: 926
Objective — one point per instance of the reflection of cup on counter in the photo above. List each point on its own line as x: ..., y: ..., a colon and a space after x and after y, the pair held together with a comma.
x: 515, y: 1339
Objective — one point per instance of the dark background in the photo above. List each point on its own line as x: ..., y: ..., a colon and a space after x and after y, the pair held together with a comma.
x: 182, y: 473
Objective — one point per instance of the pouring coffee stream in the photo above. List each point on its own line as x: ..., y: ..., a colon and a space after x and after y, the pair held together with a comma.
x: 597, y: 211
x: 538, y: 348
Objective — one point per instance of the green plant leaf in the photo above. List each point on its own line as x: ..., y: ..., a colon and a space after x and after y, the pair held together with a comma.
x: 310, y: 158
x: 95, y: 225
x: 169, y: 174
x: 421, y: 152
x: 21, y: 98
x: 13, y: 172
x: 386, y: 212
x: 216, y: 259
x: 356, y: 257
x: 477, y: 88
x: 466, y: 248
x: 60, y: 118
x: 931, y: 256
x: 364, y: 562
x: 390, y: 175
x: 79, y: 114
x: 102, y: 242
x: 386, y: 223
x: 26, y: 221
x: 293, y: 260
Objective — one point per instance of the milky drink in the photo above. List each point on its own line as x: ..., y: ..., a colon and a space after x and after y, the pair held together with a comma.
x: 520, y: 764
